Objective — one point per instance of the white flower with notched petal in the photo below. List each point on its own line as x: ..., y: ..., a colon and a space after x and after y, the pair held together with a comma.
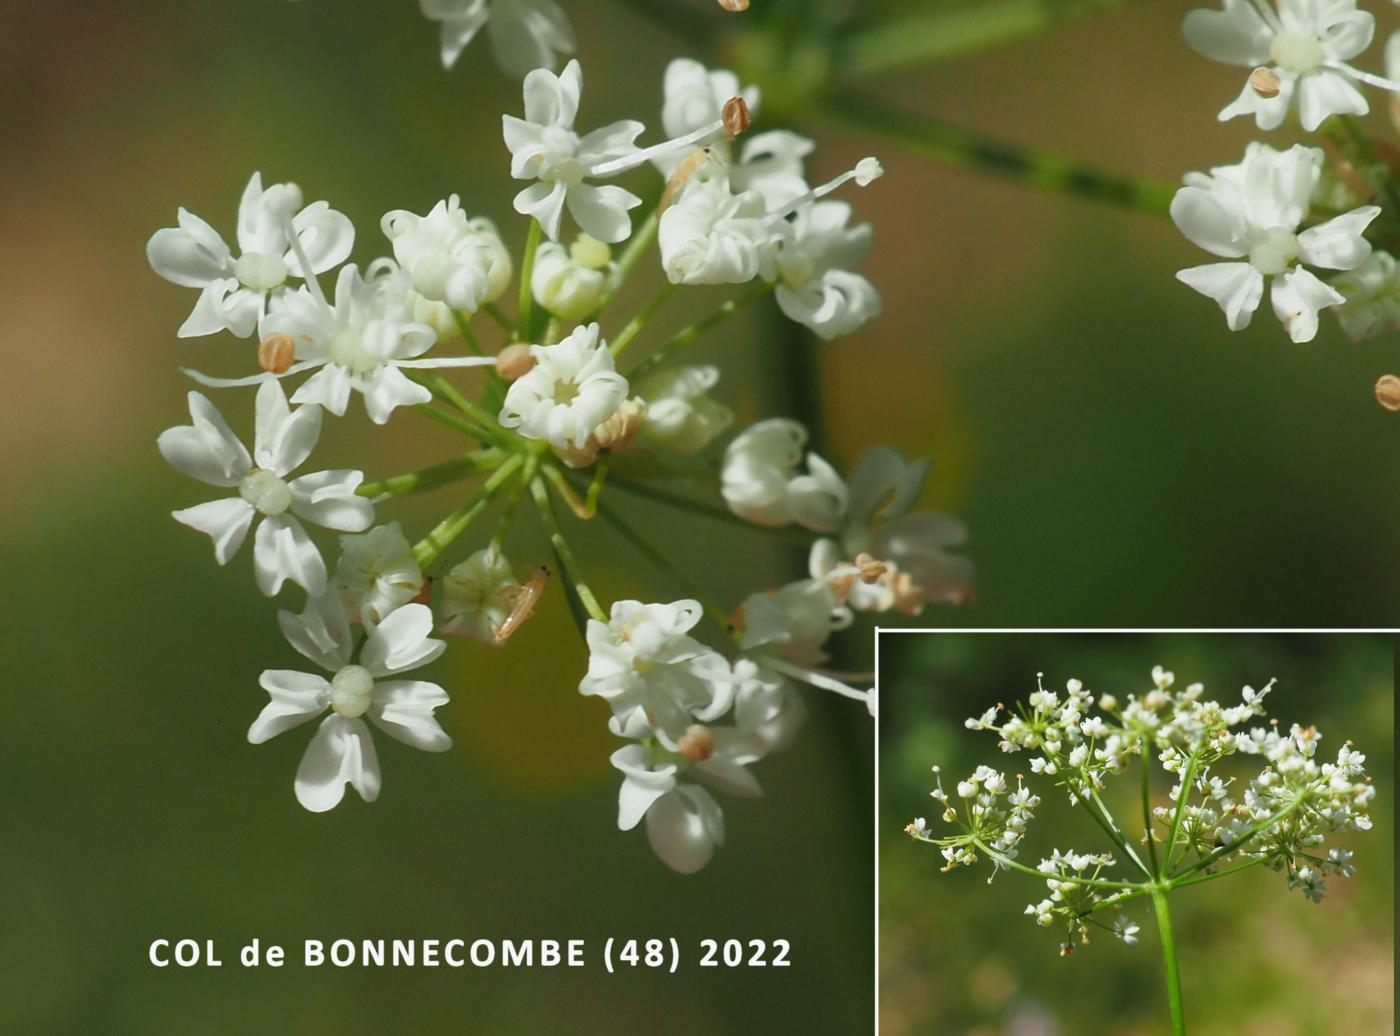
x: 695, y: 98
x: 655, y: 676
x: 711, y: 235
x: 209, y: 451
x: 524, y: 34
x: 234, y: 292
x: 571, y: 283
x: 544, y: 147
x: 377, y: 573
x: 680, y: 415
x: 1301, y: 49
x: 817, y: 282
x: 573, y: 387
x: 448, y: 257
x: 342, y: 751
x: 760, y: 483
x: 1251, y: 212
x: 478, y: 595
x: 1372, y: 292
x: 363, y: 343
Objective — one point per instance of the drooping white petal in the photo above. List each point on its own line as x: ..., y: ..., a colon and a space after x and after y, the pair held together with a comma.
x: 601, y: 210
x: 1297, y: 297
x: 341, y: 753
x: 226, y: 522
x: 684, y: 827
x: 401, y: 641
x: 281, y: 551
x: 544, y: 201
x: 1236, y: 35
x: 1237, y: 287
x: 329, y: 499
x: 403, y: 709
x: 297, y: 698
x: 642, y: 784
x: 1210, y: 222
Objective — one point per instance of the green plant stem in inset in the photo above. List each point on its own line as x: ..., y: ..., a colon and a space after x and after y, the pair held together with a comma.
x: 685, y: 336
x: 955, y: 31
x: 524, y: 310
x: 435, y: 474
x: 635, y: 325
x: 427, y: 550
x: 540, y: 492
x: 1164, y: 931
x: 792, y: 535
x: 962, y: 147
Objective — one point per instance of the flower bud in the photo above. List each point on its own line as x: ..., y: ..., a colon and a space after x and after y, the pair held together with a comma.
x: 1388, y: 392
x: 572, y: 283
x: 1265, y: 82
x: 697, y: 743
x: 276, y: 353
x: 514, y: 361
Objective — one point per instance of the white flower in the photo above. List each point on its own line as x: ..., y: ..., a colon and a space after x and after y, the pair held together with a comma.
x: 364, y: 343
x: 711, y: 235
x: 571, y: 283
x: 760, y: 483
x: 792, y: 622
x: 209, y: 451
x: 684, y: 822
x: 1301, y: 49
x: 478, y: 594
x: 653, y: 674
x: 1372, y: 293
x: 695, y: 98
x: 342, y: 751
x: 449, y: 258
x: 544, y: 147
x: 1251, y: 212
x: 524, y: 34
x: 234, y: 292
x: 767, y: 707
x: 572, y: 389
x: 377, y: 573
x: 680, y: 414
x: 771, y: 163
x: 817, y: 284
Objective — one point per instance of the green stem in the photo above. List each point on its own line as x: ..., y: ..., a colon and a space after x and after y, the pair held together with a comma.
x: 791, y: 534
x: 1145, y: 759
x: 1104, y: 819
x: 685, y: 336
x: 1006, y: 861
x: 456, y: 423
x: 635, y: 325
x: 952, y: 33
x: 1255, y: 862
x: 494, y: 312
x: 435, y: 474
x: 524, y: 311
x: 962, y: 147
x: 1164, y: 931
x: 496, y: 385
x: 1231, y: 846
x: 440, y: 386
x: 430, y: 548
x: 507, y: 519
x: 1182, y: 796
x: 540, y: 492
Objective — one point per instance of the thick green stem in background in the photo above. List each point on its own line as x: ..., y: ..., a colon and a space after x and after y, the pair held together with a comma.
x: 430, y: 548
x: 962, y: 147
x: 435, y: 474
x: 1164, y: 931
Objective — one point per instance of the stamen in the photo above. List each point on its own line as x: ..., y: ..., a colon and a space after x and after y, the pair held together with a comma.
x: 1380, y: 82
x: 1388, y: 392
x: 252, y: 379
x: 866, y: 172
x: 696, y: 138
x: 1265, y: 82
x: 514, y: 361
x: 276, y: 353
x: 735, y: 117
x: 312, y: 284
x: 818, y: 679
x: 734, y: 6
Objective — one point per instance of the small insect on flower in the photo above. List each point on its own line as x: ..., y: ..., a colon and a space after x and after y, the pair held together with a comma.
x: 526, y: 597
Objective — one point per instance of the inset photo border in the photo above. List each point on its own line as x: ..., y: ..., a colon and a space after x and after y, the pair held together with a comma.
x: 1016, y: 891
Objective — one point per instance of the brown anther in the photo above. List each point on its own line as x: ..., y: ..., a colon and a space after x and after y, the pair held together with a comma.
x: 1265, y: 82
x: 621, y: 428
x: 735, y: 116
x: 841, y: 586
x: 734, y: 6
x: 870, y: 569
x: 1388, y: 392
x: 425, y: 593
x: 276, y: 353
x: 908, y: 598
x: 697, y: 743
x: 514, y: 361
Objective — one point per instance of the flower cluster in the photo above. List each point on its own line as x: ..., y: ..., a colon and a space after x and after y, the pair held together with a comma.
x: 558, y: 416
x: 1281, y: 820
x: 1279, y: 216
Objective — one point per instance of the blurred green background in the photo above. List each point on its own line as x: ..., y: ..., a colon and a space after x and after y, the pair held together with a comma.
x: 958, y: 956
x: 1117, y: 455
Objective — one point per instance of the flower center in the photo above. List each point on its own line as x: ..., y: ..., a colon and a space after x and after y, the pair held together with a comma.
x: 265, y: 491
x: 565, y: 392
x: 350, y: 691
x: 1274, y: 250
x: 558, y: 157
x: 1296, y: 52
x: 347, y: 349
x: 260, y: 271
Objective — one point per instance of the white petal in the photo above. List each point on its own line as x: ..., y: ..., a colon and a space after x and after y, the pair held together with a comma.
x: 1237, y: 287
x: 321, y: 632
x: 296, y: 699
x: 329, y: 387
x: 328, y: 499
x: 207, y: 317
x: 207, y: 450
x: 684, y: 827
x: 1338, y: 244
x: 1297, y: 298
x: 1236, y: 35
x: 342, y: 752
x: 388, y: 389
x: 226, y: 522
x: 545, y: 202
x: 401, y: 642
x: 282, y: 550
x: 327, y: 237
x: 1324, y: 93
x: 528, y: 36
x: 191, y: 255
x: 634, y: 799
x: 403, y: 709
x: 602, y: 211
x: 1208, y: 222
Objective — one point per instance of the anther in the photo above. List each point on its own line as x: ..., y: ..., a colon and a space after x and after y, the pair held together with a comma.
x: 276, y: 353
x: 1265, y: 82
x: 1388, y: 392
x: 735, y: 117
x: 870, y: 569
x: 514, y: 361
x: 734, y: 6
x: 697, y: 743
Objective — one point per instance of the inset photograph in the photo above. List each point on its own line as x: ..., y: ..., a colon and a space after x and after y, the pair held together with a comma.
x: 1134, y: 833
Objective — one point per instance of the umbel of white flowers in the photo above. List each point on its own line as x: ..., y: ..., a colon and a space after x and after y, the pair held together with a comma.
x: 563, y: 419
